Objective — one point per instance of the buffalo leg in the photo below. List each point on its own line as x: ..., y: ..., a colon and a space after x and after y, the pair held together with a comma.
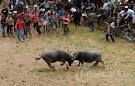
x: 82, y: 62
x: 63, y: 62
x: 50, y: 66
x: 67, y: 67
x: 79, y: 64
x: 96, y: 63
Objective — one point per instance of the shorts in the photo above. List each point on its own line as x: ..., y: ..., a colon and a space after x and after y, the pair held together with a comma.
x: 45, y: 23
x: 77, y: 23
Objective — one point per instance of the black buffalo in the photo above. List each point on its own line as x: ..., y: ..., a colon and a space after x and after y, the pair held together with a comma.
x: 88, y: 57
x: 57, y: 55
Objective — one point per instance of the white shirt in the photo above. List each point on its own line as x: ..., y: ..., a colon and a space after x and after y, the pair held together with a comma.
x: 130, y: 13
x: 105, y: 6
x: 84, y: 14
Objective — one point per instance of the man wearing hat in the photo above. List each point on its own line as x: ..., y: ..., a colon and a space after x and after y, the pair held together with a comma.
x: 4, y: 11
x: 129, y: 14
x: 128, y: 18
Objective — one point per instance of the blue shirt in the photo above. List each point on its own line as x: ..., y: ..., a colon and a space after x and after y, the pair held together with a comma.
x: 61, y: 12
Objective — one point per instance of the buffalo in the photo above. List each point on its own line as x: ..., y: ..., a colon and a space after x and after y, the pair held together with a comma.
x: 88, y: 57
x: 57, y: 55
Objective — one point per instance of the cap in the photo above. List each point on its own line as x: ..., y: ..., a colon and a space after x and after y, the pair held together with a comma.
x: 15, y: 11
x: 126, y: 7
x: 35, y: 5
x: 73, y: 10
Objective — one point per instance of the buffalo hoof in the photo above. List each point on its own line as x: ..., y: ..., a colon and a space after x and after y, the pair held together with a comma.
x: 78, y: 65
x: 52, y: 68
x: 62, y: 64
x: 67, y: 67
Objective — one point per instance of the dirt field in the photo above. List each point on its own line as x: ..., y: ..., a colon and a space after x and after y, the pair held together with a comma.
x: 18, y: 67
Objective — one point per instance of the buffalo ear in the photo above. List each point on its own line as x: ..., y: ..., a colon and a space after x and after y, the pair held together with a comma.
x: 69, y: 52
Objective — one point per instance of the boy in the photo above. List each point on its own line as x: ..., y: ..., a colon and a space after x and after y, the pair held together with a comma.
x: 110, y: 31
x: 3, y: 25
x: 91, y: 22
x: 66, y: 21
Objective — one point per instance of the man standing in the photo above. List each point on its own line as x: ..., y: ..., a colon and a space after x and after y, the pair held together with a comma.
x: 4, y: 11
x: 77, y: 18
x: 91, y: 21
x: 3, y: 26
x: 66, y: 21
x: 128, y: 19
x: 10, y: 24
x: 20, y: 30
x: 61, y: 13
x: 129, y: 14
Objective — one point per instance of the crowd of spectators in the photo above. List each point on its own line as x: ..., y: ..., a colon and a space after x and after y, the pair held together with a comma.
x: 19, y: 17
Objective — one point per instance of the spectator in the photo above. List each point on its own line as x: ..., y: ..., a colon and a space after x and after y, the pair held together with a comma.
x: 27, y: 26
x: 56, y: 19
x: 3, y: 26
x: 35, y: 20
x: 4, y: 12
x: 61, y: 14
x: 51, y: 22
x: 77, y: 19
x: 110, y: 31
x: 129, y: 14
x: 39, y: 26
x: 15, y: 18
x: 91, y: 21
x: 45, y: 21
x: 66, y: 21
x: 10, y: 24
x: 20, y: 30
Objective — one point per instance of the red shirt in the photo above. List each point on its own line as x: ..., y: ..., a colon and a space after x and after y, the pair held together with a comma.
x: 20, y: 15
x: 35, y: 18
x: 66, y: 20
x: 20, y: 24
